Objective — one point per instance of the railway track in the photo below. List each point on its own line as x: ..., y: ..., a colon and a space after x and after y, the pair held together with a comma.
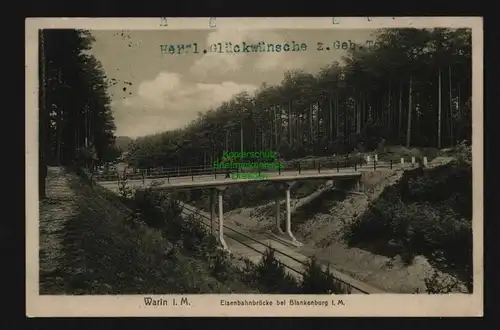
x: 293, y: 264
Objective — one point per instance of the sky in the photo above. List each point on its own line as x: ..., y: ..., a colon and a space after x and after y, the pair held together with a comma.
x: 167, y: 91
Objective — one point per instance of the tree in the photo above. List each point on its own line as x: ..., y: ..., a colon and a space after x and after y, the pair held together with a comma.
x: 75, y: 113
x: 392, y: 91
x: 272, y: 276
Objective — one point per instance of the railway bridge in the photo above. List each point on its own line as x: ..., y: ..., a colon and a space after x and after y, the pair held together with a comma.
x: 217, y: 180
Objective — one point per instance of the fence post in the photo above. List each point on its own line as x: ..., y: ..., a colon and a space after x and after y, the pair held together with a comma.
x: 299, y: 167
x: 191, y: 172
x: 338, y: 166
x: 374, y: 165
x: 319, y: 167
x: 279, y: 169
x: 178, y: 171
x: 355, y: 167
x: 391, y: 163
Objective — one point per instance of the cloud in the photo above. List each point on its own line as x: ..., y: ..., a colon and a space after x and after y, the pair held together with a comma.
x: 221, y: 63
x: 170, y: 101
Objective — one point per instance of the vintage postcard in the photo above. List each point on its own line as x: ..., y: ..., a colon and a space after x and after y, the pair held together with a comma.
x: 254, y: 166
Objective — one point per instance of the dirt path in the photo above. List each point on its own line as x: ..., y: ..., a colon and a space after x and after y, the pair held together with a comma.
x: 55, y: 210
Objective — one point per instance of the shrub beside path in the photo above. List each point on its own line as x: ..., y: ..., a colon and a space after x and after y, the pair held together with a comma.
x: 55, y: 210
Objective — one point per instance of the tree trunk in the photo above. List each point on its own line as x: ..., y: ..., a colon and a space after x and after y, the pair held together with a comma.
x: 450, y: 107
x: 337, y: 124
x: 241, y: 136
x: 408, y: 133
x: 275, y: 128
x: 390, y: 108
x: 310, y: 123
x: 255, y: 138
x: 363, y: 109
x: 400, y: 118
x: 290, y: 123
x: 318, y: 133
x: 298, y: 127
x: 262, y: 140
x: 59, y: 127
x: 459, y: 106
x: 358, y: 113
x: 439, y: 108
x: 227, y: 141
x: 330, y: 135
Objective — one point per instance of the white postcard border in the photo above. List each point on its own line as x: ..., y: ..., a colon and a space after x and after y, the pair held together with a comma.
x: 210, y: 304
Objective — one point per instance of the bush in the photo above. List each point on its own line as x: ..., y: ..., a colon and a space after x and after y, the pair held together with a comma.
x: 437, y: 285
x: 220, y: 265
x: 156, y: 209
x: 428, y: 213
x: 195, y: 235
x: 317, y: 281
x: 124, y: 190
x: 271, y: 276
x: 464, y: 153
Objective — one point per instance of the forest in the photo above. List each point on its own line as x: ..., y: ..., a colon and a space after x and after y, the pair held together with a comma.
x: 76, y: 125
x: 413, y: 89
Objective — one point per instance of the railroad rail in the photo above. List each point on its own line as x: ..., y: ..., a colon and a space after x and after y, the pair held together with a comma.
x: 193, y: 210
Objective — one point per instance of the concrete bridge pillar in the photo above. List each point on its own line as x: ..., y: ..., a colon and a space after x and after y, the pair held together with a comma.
x: 220, y: 192
x: 277, y: 202
x: 288, y: 186
x: 278, y: 215
x: 213, y: 216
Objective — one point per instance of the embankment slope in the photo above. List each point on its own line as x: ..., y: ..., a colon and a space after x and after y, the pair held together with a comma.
x: 105, y: 249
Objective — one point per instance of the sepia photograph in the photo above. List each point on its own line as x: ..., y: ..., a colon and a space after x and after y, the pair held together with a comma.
x: 219, y: 166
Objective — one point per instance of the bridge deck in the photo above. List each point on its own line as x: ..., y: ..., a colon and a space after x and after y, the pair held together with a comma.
x: 205, y: 181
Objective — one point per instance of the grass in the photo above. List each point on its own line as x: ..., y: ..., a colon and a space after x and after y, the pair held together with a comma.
x: 106, y: 251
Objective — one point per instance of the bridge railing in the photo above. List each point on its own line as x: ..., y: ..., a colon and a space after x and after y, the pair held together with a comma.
x: 319, y: 164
